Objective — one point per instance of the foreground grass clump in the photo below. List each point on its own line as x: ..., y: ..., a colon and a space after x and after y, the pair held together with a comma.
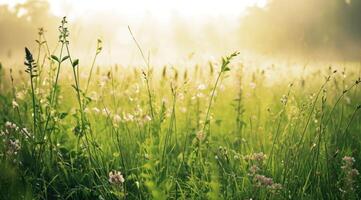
x: 213, y: 131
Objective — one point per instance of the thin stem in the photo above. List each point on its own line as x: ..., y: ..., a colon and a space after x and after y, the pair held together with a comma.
x: 33, y: 98
x: 210, y: 102
x: 55, y: 85
x: 90, y: 73
x: 146, y: 75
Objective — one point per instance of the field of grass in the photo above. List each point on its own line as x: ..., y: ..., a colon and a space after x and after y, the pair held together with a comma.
x: 217, y: 130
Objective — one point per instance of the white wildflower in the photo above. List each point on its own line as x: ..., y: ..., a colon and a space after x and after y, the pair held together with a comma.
x: 252, y: 85
x: 183, y: 109
x: 15, y: 104
x: 20, y: 95
x: 201, y: 136
x: 117, y: 118
x: 106, y: 112
x: 96, y: 110
x: 201, y: 87
x: 13, y: 146
x: 147, y: 118
x: 116, y: 178
x: 128, y: 117
x: 284, y: 99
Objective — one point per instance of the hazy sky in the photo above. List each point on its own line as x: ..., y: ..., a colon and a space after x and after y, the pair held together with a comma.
x: 170, y: 30
x: 160, y: 9
x: 159, y: 25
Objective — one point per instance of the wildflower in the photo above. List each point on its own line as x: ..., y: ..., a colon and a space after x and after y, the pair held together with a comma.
x: 96, y: 110
x: 350, y: 173
x: 276, y: 186
x: 106, y: 112
x: 72, y: 111
x: 128, y: 117
x: 254, y: 169
x: 37, y: 91
x: 222, y: 87
x: 201, y: 87
x: 284, y: 99
x: 348, y: 161
x: 146, y: 118
x: 20, y: 95
x: 136, y: 89
x: 183, y: 109
x: 43, y: 101
x: 45, y: 82
x: 347, y: 166
x: 104, y: 78
x: 102, y: 84
x: 13, y: 146
x: 103, y: 81
x: 86, y: 110
x: 10, y: 125
x: 116, y: 118
x: 200, y: 135
x: 354, y: 172
x: 138, y: 111
x: 252, y: 85
x: 94, y: 96
x: 181, y: 96
x: 259, y: 157
x: 200, y: 95
x: 116, y: 178
x: 263, y: 180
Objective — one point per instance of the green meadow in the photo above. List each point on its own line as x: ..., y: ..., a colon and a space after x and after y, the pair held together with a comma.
x: 223, y: 129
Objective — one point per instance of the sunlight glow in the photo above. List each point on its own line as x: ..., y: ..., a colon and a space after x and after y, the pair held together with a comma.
x: 160, y: 9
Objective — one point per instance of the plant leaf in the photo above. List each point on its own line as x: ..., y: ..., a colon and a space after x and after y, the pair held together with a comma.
x: 62, y: 115
x: 76, y: 62
x: 55, y: 58
x: 225, y: 69
x: 66, y: 57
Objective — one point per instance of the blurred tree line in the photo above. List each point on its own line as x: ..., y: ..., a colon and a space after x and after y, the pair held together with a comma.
x: 305, y: 27
x: 18, y: 26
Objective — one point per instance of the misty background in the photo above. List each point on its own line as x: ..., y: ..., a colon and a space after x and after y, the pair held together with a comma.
x: 306, y: 29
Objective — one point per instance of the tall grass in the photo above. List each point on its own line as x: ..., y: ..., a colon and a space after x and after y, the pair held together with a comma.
x: 222, y: 130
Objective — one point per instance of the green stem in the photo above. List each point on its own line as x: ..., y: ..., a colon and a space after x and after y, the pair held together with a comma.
x: 33, y: 99
x: 90, y: 74
x: 210, y: 103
